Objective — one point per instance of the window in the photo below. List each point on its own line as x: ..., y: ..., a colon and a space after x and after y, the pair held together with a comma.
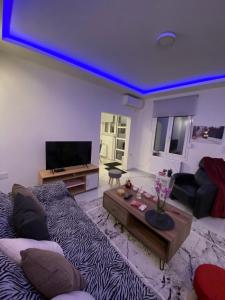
x: 109, y: 127
x: 106, y: 126
x: 112, y: 127
x: 171, y: 135
x: 121, y: 133
x: 160, y: 134
x: 178, y: 135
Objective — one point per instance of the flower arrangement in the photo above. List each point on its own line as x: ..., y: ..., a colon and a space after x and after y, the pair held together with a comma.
x: 163, y: 193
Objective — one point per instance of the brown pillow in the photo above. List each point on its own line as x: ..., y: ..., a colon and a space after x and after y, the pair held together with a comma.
x: 50, y: 273
x: 26, y: 192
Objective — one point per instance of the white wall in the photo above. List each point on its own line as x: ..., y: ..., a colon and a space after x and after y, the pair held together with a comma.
x: 210, y: 112
x: 39, y: 104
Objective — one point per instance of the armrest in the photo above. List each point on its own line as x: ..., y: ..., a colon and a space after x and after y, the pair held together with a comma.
x: 50, y: 191
x: 180, y: 178
x: 205, y: 198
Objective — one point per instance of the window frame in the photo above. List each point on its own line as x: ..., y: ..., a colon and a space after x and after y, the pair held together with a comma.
x: 156, y: 122
x: 166, y: 153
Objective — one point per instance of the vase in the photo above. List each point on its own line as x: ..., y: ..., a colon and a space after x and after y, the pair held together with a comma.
x: 160, y: 206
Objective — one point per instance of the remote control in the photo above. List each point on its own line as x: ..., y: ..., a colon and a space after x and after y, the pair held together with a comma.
x: 127, y: 196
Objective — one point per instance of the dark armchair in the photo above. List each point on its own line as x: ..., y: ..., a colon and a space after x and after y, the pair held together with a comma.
x: 195, y: 190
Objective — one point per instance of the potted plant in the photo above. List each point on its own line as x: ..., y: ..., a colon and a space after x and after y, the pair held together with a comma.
x: 162, y: 195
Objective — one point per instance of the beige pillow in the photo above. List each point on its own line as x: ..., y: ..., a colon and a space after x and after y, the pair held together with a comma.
x: 50, y: 273
x: 12, y: 247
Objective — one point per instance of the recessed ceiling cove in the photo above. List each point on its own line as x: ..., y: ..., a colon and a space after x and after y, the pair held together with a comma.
x: 117, y: 40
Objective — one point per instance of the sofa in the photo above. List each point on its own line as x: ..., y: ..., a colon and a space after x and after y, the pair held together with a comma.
x: 106, y: 273
x: 196, y: 190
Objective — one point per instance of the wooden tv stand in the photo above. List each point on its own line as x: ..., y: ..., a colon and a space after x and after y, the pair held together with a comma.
x: 78, y: 179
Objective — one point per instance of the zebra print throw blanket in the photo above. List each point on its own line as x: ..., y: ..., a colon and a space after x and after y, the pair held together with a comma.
x: 107, y: 274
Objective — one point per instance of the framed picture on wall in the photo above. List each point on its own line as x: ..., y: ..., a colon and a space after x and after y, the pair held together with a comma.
x: 208, y: 134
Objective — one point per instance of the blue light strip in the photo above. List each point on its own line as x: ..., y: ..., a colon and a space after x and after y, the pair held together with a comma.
x: 8, y: 36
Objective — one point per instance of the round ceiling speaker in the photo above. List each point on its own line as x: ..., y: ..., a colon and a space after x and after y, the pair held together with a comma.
x: 166, y: 39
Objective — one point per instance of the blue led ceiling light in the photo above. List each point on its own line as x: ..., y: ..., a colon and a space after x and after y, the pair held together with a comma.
x: 10, y: 37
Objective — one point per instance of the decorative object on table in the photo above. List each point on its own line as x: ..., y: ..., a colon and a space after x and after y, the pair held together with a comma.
x: 127, y: 196
x: 142, y: 207
x: 158, y: 220
x: 139, y: 194
x: 120, y: 192
x: 147, y: 195
x: 128, y: 184
x: 136, y: 203
x: 206, y: 134
x: 135, y: 188
x: 163, y: 172
x: 163, y: 193
x: 169, y: 173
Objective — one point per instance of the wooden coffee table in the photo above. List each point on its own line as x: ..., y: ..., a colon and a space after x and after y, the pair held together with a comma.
x: 162, y: 243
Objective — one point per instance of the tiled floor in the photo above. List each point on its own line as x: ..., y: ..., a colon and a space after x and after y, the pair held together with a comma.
x: 205, y: 244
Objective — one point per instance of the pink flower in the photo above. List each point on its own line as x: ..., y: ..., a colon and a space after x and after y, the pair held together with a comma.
x: 157, y: 188
x: 167, y: 192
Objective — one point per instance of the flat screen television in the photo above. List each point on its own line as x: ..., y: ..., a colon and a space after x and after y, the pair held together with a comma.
x: 66, y: 154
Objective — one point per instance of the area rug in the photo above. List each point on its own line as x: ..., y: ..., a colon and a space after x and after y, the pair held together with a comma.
x: 112, y: 164
x: 175, y: 281
x: 114, y: 168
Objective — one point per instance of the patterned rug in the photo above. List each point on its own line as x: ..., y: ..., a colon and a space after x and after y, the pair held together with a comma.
x: 175, y: 282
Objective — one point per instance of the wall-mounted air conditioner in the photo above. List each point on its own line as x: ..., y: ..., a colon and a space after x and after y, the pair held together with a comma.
x: 133, y: 102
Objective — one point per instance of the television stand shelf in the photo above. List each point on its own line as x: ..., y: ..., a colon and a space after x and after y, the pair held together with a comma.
x: 77, y: 179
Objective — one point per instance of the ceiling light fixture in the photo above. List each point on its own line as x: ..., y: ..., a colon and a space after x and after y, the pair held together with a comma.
x: 166, y: 39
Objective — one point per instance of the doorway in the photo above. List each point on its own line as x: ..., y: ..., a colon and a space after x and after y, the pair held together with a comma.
x: 114, y: 140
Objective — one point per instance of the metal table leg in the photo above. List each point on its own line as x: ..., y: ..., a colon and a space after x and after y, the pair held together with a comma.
x: 161, y: 264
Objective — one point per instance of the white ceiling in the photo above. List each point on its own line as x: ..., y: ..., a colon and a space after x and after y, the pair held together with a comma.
x: 119, y: 36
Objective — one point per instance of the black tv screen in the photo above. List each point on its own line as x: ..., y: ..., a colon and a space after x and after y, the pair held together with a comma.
x: 66, y: 154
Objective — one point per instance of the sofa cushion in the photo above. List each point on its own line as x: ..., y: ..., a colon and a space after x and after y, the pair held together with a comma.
x: 185, y: 193
x: 51, y: 273
x: 12, y: 247
x: 26, y: 192
x: 202, y: 178
x: 29, y: 221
